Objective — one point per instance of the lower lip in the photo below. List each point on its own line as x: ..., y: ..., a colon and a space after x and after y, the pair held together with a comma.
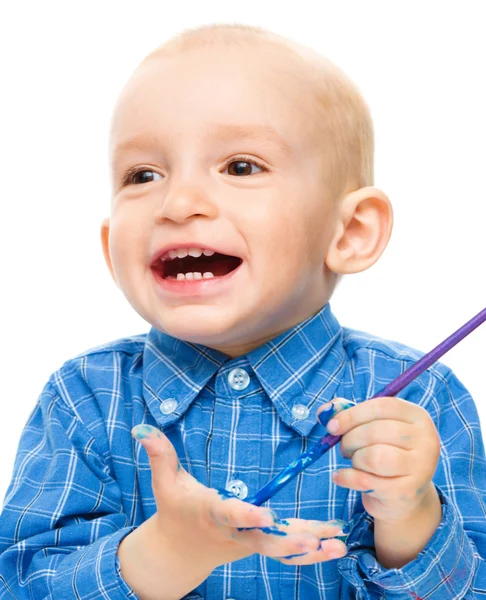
x: 195, y: 287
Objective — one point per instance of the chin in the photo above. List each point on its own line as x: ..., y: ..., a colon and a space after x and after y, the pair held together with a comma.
x: 199, y: 327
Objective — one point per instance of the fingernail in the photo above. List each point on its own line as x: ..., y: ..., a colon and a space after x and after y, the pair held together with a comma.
x: 345, y: 529
x: 326, y: 414
x: 346, y: 404
x: 337, y: 522
x: 333, y: 426
x: 145, y: 431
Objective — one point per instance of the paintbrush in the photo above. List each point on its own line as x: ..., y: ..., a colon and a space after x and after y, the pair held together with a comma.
x: 328, y: 441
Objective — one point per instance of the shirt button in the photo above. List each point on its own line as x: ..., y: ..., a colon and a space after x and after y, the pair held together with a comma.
x: 238, y: 379
x: 300, y: 412
x: 238, y: 488
x: 167, y: 407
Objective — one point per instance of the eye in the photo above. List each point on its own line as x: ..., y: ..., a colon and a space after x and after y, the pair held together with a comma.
x: 241, y: 166
x: 132, y: 175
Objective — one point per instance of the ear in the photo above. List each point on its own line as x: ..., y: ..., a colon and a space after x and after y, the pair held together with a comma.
x: 364, y: 225
x: 105, y: 242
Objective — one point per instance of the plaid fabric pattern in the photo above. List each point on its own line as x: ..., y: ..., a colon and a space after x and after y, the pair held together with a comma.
x: 81, y: 483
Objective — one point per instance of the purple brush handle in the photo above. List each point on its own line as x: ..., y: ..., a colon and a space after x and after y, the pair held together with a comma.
x: 328, y: 441
x: 431, y: 357
x: 420, y: 366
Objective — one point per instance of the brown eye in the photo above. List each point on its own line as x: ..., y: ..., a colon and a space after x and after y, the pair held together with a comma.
x: 143, y: 176
x: 242, y: 167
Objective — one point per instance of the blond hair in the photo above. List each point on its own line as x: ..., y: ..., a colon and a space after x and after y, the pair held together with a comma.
x: 341, y: 124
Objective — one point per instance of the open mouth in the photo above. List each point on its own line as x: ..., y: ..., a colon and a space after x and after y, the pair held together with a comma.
x: 189, y: 268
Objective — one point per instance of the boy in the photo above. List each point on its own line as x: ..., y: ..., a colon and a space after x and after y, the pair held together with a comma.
x: 258, y: 197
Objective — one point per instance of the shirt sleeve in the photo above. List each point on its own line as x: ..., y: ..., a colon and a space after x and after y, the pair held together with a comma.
x: 452, y: 566
x: 62, y: 517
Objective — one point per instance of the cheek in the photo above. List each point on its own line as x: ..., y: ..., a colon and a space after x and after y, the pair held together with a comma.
x: 126, y: 243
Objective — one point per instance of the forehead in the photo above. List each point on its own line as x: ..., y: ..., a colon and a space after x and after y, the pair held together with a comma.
x: 215, y: 95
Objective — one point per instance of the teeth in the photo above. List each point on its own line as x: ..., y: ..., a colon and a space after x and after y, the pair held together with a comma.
x: 196, y: 252
x: 183, y: 252
x: 192, y: 276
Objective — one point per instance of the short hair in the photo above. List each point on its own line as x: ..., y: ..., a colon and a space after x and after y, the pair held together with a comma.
x: 341, y: 125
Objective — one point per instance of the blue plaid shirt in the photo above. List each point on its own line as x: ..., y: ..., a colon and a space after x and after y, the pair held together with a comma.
x: 81, y: 483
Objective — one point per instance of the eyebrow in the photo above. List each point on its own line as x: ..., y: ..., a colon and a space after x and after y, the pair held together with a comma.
x: 262, y: 133
x: 225, y: 131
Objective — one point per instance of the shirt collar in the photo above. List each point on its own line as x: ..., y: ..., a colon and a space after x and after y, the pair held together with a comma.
x: 300, y: 366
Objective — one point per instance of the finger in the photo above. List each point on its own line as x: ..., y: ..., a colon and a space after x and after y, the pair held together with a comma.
x: 292, y: 533
x: 321, y: 529
x: 164, y: 464
x: 361, y: 481
x: 372, y: 410
x: 233, y: 512
x: 384, y: 461
x: 327, y: 411
x: 328, y: 550
x: 392, y: 433
x: 273, y: 542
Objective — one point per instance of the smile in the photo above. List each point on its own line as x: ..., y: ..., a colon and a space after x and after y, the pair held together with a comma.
x: 192, y: 264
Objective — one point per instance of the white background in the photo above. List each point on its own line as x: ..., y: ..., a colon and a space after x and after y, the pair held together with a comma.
x: 421, y: 67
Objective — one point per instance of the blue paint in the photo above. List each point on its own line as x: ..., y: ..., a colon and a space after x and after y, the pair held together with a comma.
x: 272, y: 531
x: 293, y: 555
x: 325, y: 416
x: 267, y: 530
x: 295, y: 467
x: 143, y: 431
x: 345, y: 529
x: 225, y: 495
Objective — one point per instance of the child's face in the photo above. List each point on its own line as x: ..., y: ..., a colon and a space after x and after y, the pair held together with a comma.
x: 194, y: 190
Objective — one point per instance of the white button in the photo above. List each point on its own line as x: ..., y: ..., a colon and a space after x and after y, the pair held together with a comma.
x: 167, y: 407
x: 300, y: 411
x: 238, y: 488
x: 238, y: 379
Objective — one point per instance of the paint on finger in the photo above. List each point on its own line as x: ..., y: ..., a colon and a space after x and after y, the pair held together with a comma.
x: 325, y: 416
x: 225, y: 495
x: 144, y: 431
x: 290, y: 556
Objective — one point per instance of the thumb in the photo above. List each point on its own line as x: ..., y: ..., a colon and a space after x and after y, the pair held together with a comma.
x: 163, y: 459
x: 327, y: 411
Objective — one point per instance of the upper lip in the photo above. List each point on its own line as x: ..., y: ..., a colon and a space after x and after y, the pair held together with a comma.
x: 175, y: 246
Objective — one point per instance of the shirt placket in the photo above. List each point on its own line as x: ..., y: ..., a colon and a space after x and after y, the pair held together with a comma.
x: 234, y: 458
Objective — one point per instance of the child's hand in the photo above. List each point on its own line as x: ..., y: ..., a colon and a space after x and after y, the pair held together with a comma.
x: 394, y: 447
x: 195, y: 519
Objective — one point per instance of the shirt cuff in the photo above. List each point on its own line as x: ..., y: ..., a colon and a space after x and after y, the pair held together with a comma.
x: 443, y: 570
x: 94, y: 572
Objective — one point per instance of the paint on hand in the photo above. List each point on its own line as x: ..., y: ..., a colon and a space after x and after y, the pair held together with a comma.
x: 271, y: 530
x: 326, y: 415
x: 292, y: 556
x: 145, y: 431
x: 225, y: 495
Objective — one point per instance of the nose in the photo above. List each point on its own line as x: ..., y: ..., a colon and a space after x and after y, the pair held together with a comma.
x: 185, y: 202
